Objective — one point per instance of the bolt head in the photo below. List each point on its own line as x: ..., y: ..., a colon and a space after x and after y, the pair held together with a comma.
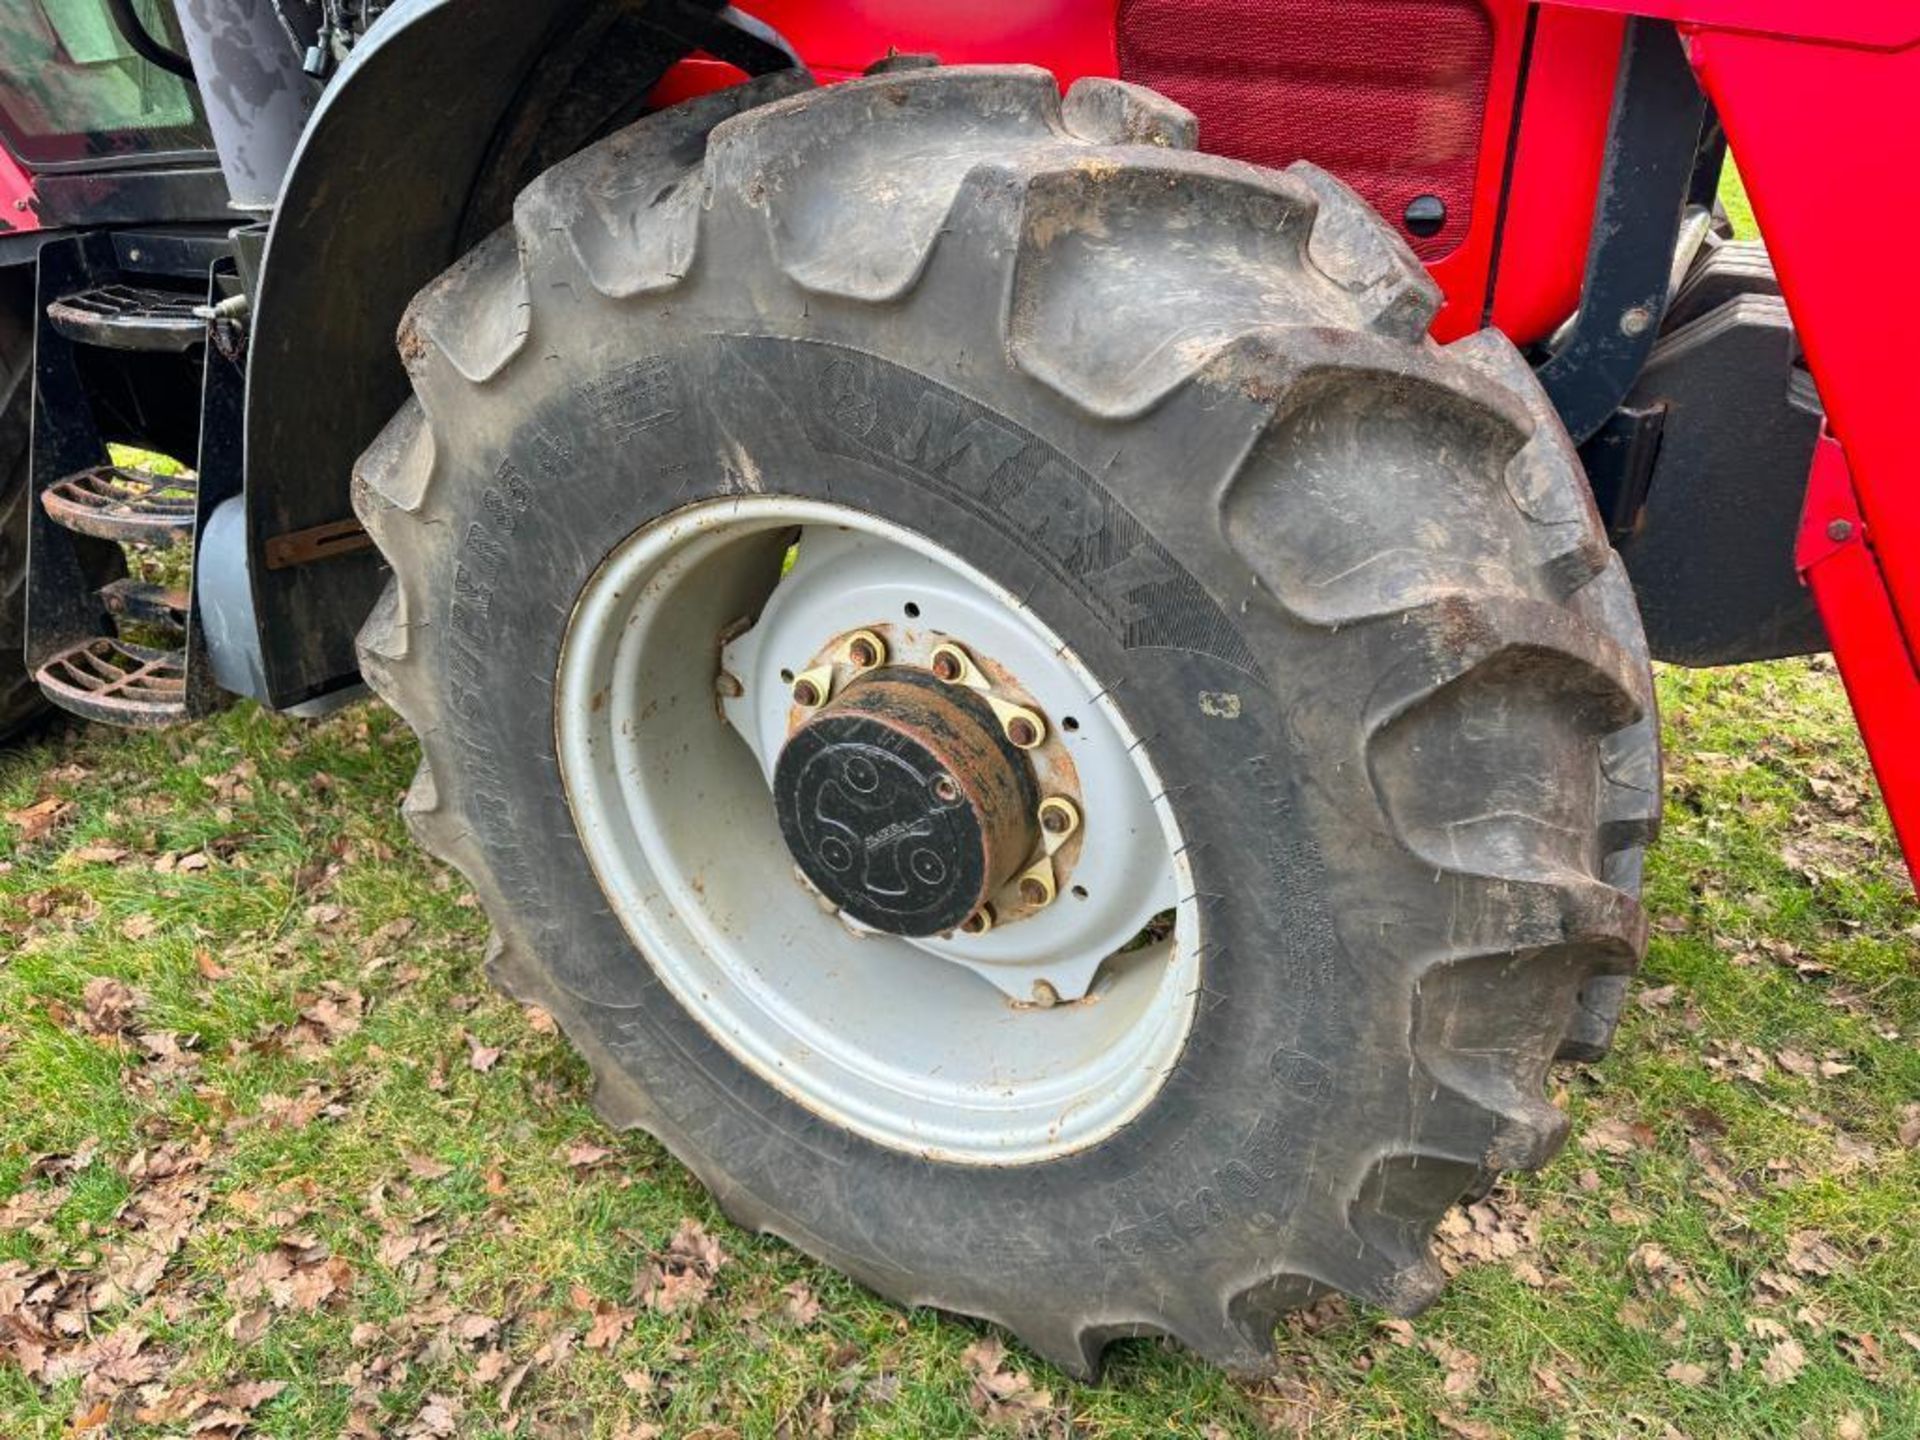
x: 946, y: 666
x: 1838, y: 530
x: 1032, y: 891
x: 979, y: 922
x: 1053, y: 820
x: 806, y: 693
x: 945, y: 789
x: 1021, y: 732
x: 1636, y: 321
x: 861, y: 653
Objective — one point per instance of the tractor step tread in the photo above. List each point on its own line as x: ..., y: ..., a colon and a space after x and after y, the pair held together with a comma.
x: 125, y: 505
x: 145, y: 602
x: 119, y: 316
x: 118, y: 683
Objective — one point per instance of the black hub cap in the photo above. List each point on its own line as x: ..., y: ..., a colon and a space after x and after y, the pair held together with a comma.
x: 904, y: 804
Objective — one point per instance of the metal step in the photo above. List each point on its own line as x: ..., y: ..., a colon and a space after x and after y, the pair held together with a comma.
x: 132, y: 507
x: 118, y: 316
x: 117, y: 683
x: 145, y: 603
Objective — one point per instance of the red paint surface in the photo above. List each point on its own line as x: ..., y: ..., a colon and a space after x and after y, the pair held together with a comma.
x: 1556, y: 170
x: 1073, y: 38
x: 1390, y: 96
x: 16, y: 196
x: 1850, y: 590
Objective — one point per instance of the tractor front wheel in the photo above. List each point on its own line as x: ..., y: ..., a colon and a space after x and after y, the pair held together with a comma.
x: 1028, y: 722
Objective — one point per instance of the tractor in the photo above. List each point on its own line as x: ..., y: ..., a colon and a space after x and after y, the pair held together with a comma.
x: 1033, y: 620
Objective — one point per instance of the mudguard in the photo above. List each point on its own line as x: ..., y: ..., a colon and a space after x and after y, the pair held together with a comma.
x: 415, y: 151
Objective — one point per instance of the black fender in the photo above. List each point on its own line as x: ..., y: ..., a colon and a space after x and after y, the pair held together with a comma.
x: 414, y: 152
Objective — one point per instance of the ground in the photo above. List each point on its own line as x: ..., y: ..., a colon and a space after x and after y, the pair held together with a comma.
x: 274, y: 1160
x: 272, y: 1155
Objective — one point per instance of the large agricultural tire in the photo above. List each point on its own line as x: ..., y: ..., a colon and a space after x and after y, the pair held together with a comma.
x: 21, y: 703
x: 1343, y: 585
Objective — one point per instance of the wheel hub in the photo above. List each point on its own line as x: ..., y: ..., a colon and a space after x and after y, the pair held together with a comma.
x: 904, y: 803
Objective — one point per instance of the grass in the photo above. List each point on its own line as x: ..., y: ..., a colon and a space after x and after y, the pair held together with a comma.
x: 1727, y: 1246
x: 264, y: 1118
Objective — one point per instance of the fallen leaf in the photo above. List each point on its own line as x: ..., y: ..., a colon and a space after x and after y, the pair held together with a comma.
x: 481, y: 1057
x: 1783, y: 1363
x: 107, y: 1006
x: 1688, y: 1374
x: 425, y: 1167
x: 1811, y: 1254
x: 610, y: 1322
x: 98, y: 853
x: 1796, y: 1063
x: 799, y: 1305
x: 38, y: 818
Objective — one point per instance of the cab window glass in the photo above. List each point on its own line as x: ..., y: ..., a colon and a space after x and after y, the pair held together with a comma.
x: 72, y: 89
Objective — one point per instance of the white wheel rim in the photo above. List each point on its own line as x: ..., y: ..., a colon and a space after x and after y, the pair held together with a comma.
x: 920, y: 1045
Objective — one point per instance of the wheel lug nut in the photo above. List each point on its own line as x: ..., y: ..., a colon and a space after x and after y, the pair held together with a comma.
x: 979, y: 922
x: 866, y: 650
x: 946, y: 665
x: 1033, y: 892
x: 1022, y: 731
x: 811, y: 689
x: 1057, y: 816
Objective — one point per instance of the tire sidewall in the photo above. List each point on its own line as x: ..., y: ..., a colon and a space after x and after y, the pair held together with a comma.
x: 1224, y: 1157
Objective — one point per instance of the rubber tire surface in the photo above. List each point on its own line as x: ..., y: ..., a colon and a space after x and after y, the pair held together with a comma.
x: 1347, y: 584
x: 21, y: 703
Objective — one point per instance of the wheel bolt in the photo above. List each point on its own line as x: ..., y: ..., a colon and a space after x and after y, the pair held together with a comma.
x: 806, y: 694
x: 1033, y: 892
x: 1022, y: 732
x: 979, y: 922
x: 946, y: 665
x: 865, y: 650
x: 1055, y: 819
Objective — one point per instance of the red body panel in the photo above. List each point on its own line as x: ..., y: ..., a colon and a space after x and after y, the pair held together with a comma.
x: 1082, y: 37
x: 16, y: 196
x: 1556, y: 170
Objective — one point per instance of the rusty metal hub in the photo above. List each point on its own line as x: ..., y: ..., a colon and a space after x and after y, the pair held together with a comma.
x: 904, y: 802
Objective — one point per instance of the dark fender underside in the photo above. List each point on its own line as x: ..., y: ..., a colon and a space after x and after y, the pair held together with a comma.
x: 414, y: 153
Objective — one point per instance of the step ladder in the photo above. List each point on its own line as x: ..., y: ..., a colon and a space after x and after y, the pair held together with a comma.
x: 106, y: 638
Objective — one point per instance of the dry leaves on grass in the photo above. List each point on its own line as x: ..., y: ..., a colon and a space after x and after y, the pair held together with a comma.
x: 207, y: 1415
x: 682, y: 1276
x: 1005, y: 1396
x: 56, y: 1324
x: 107, y: 1006
x: 325, y: 1019
x: 299, y: 1273
x: 35, y: 821
x: 584, y: 1154
x: 481, y: 1058
x: 168, y: 1198
x: 1614, y: 1136
x: 1783, y: 1363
